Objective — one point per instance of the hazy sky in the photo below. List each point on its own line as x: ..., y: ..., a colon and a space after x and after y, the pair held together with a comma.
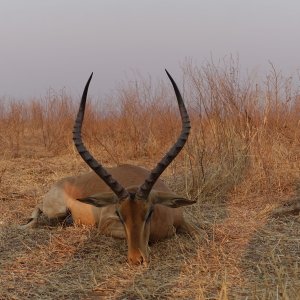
x: 58, y: 43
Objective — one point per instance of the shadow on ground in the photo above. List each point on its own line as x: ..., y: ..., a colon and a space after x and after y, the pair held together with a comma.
x: 271, y: 261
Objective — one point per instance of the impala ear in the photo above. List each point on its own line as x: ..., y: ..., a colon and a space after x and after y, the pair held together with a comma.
x: 170, y: 199
x: 101, y: 199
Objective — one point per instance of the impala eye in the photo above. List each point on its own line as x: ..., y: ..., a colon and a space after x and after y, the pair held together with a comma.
x: 119, y: 215
x: 149, y: 214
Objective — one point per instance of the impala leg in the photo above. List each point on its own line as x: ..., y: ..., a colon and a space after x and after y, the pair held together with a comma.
x: 117, y: 233
x: 34, y: 218
x: 189, y: 229
x: 113, y: 227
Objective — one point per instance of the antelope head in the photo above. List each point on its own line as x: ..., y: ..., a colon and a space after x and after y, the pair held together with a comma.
x: 134, y: 205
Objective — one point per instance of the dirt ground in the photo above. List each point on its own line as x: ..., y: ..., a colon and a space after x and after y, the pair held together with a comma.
x: 247, y: 252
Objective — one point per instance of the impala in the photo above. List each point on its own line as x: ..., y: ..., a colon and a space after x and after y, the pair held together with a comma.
x: 125, y: 201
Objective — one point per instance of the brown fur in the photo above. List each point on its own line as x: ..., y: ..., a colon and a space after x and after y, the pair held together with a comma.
x: 164, y: 222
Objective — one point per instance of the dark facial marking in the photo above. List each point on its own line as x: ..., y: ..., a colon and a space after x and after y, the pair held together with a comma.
x: 120, y: 216
x: 149, y: 213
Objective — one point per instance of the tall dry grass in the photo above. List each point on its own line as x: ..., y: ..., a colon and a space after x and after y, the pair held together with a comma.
x: 238, y: 125
x: 244, y: 123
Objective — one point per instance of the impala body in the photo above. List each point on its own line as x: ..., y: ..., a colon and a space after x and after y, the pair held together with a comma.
x: 125, y: 201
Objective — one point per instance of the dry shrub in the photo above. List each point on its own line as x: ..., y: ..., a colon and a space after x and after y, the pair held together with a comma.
x: 241, y: 126
x: 13, y: 122
x: 50, y: 120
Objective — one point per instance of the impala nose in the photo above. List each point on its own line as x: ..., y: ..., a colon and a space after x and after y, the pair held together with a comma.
x: 137, y: 258
x: 136, y: 261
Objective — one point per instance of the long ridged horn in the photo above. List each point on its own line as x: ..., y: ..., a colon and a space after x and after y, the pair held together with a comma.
x: 145, y: 189
x: 87, y: 157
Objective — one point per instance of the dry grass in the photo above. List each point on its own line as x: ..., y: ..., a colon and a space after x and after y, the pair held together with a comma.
x: 241, y: 163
